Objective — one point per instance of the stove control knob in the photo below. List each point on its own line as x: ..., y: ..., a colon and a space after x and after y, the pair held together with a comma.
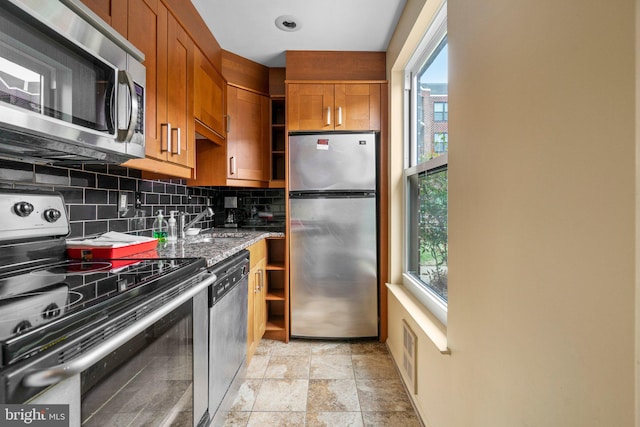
x: 21, y: 327
x: 52, y: 215
x: 23, y: 208
x: 51, y: 311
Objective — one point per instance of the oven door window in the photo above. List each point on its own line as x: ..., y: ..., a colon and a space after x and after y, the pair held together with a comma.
x: 148, y: 381
x: 45, y: 74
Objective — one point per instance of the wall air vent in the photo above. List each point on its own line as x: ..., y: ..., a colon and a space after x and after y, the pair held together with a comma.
x: 408, y: 367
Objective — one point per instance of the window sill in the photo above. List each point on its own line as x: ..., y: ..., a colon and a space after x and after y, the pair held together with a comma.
x: 431, y: 326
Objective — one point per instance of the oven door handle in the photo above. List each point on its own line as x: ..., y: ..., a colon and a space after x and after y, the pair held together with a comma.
x: 55, y: 374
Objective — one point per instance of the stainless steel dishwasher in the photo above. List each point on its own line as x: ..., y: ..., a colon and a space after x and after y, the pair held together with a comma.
x: 228, y: 299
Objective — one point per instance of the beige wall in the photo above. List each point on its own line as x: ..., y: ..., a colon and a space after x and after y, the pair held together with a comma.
x: 637, y: 116
x: 542, y: 214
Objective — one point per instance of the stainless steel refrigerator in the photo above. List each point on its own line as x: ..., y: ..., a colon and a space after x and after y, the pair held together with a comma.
x: 333, y: 225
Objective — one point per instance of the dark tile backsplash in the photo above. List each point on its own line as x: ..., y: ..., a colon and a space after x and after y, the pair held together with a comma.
x: 264, y: 200
x: 91, y: 194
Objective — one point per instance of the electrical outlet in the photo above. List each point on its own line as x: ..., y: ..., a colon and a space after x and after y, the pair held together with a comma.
x: 138, y: 202
x: 122, y: 201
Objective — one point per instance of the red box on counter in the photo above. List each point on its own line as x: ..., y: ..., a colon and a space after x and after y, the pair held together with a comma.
x: 87, y: 252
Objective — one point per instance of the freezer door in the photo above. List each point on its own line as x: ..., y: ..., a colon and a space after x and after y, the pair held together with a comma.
x: 332, y: 162
x: 333, y: 268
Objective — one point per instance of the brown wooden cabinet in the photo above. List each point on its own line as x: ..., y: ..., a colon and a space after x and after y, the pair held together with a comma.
x: 310, y: 106
x: 256, y: 319
x: 333, y: 106
x: 113, y: 12
x: 178, y: 96
x: 169, y: 57
x: 277, y: 290
x: 243, y: 161
x: 209, y: 99
x: 248, y: 135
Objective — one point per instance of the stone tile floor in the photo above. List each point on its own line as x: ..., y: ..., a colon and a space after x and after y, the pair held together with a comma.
x: 321, y: 383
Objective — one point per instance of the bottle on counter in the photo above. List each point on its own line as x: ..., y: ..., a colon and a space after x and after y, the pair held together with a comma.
x: 160, y: 228
x: 173, y: 228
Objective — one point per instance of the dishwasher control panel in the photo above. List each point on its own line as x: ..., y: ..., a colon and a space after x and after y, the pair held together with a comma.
x: 229, y: 272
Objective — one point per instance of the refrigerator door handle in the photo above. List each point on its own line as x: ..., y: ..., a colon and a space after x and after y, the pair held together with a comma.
x: 332, y: 194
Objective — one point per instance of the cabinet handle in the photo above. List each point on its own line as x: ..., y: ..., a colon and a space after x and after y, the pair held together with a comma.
x: 232, y: 165
x: 339, y: 118
x: 259, y: 280
x: 168, y: 126
x: 177, y: 152
x: 228, y: 123
x: 179, y: 141
x: 328, y: 122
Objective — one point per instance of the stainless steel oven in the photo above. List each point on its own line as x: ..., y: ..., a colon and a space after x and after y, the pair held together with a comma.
x: 71, y: 88
x: 119, y: 341
x: 151, y: 372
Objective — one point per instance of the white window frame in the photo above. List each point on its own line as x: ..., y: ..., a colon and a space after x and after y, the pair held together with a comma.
x: 431, y: 40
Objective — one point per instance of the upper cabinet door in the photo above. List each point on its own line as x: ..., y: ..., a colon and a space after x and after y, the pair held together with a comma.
x: 248, y: 135
x: 179, y: 93
x: 209, y: 95
x: 147, y: 31
x: 322, y: 107
x: 169, y: 56
x: 310, y: 106
x: 357, y: 106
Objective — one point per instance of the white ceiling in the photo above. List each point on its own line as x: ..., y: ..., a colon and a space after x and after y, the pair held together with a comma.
x: 247, y: 27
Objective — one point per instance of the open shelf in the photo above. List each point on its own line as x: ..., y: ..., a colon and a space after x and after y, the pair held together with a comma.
x: 275, y: 323
x: 276, y: 251
x: 275, y: 265
x: 275, y: 295
x: 278, y: 140
x: 277, y: 110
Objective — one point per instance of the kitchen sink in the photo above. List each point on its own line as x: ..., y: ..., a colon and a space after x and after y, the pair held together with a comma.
x: 200, y: 240
x: 216, y: 236
x: 228, y: 235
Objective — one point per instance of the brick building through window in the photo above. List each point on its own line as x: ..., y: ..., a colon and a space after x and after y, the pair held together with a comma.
x: 433, y: 119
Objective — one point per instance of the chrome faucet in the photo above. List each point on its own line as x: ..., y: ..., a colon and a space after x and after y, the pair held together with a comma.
x: 208, y: 212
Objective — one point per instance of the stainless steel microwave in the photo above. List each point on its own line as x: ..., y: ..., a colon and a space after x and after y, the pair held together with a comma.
x: 72, y: 90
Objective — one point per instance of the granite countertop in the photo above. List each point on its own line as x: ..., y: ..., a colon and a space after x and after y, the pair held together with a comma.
x: 214, y: 245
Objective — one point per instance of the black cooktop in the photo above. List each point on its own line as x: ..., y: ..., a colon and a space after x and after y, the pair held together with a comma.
x: 44, y: 304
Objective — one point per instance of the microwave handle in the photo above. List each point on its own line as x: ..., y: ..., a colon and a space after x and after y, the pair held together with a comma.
x: 110, y: 110
x: 126, y: 134
x: 57, y: 373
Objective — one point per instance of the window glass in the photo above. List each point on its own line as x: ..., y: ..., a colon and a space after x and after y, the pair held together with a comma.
x: 432, y: 245
x: 432, y: 104
x: 426, y: 171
